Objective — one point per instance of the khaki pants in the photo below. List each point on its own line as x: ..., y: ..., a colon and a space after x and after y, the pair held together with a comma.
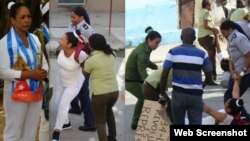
x: 44, y: 132
x: 208, y: 43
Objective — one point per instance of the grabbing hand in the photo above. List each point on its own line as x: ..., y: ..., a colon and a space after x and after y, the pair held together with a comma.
x: 163, y: 99
x: 39, y: 74
x: 216, y: 30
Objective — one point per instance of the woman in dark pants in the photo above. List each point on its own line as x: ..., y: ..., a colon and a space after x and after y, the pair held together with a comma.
x: 239, y: 63
x: 101, y: 67
x: 206, y: 34
x: 135, y: 71
x: 80, y: 20
x: 151, y: 88
x: 151, y: 85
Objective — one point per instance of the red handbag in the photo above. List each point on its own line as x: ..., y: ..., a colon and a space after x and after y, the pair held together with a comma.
x: 23, y: 93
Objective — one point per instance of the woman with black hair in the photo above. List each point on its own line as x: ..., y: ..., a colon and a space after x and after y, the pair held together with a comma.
x: 135, y: 71
x: 207, y: 32
x: 231, y: 116
x: 239, y: 60
x: 101, y: 67
x: 23, y: 69
x: 80, y: 20
x: 70, y: 78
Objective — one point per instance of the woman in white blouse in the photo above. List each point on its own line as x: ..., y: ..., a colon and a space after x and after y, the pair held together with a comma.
x: 21, y: 67
x: 70, y: 78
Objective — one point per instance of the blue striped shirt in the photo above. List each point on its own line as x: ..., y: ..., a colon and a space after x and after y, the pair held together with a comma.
x: 187, y: 62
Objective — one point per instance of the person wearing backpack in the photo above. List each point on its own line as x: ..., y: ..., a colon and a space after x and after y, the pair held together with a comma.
x: 70, y: 78
x: 80, y: 21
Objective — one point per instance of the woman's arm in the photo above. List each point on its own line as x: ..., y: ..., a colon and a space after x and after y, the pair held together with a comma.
x: 219, y: 116
x: 38, y: 74
x: 142, y: 66
x: 87, y: 68
x: 152, y: 65
x: 231, y: 68
x: 82, y: 57
x: 247, y: 62
x: 6, y: 72
x: 206, y: 24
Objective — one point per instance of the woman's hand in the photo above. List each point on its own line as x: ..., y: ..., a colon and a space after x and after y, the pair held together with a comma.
x: 216, y: 30
x: 236, y: 77
x: 39, y: 74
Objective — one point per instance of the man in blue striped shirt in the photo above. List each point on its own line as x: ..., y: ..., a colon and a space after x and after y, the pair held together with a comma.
x: 187, y: 62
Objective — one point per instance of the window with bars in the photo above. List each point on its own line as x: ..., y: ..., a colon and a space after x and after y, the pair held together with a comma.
x: 71, y: 2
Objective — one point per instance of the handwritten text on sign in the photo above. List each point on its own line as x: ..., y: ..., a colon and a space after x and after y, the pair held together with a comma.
x: 151, y: 125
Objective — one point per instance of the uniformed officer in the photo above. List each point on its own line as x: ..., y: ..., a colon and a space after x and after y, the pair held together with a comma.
x: 239, y: 53
x: 80, y: 21
x: 135, y: 71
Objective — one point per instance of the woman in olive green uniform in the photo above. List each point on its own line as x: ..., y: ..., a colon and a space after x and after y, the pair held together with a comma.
x: 206, y: 34
x: 136, y: 73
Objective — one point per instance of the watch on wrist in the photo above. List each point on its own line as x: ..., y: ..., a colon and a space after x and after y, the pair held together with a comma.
x: 242, y: 73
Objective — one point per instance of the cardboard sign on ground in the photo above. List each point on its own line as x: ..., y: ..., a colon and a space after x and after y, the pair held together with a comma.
x: 153, y: 124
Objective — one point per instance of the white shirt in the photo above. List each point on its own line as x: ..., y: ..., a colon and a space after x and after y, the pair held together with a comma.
x: 85, y: 29
x: 6, y: 72
x: 70, y: 71
x: 238, y: 47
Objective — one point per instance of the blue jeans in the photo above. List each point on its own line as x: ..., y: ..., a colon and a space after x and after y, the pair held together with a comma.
x: 182, y: 103
x: 244, y: 85
x: 86, y: 106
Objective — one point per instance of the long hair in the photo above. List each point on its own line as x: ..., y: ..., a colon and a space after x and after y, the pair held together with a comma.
x: 98, y: 42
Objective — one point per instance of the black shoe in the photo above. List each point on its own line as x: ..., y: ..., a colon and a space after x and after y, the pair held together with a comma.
x: 74, y: 111
x: 86, y: 128
x: 133, y: 126
x: 66, y: 126
x: 109, y: 138
x: 55, y: 136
